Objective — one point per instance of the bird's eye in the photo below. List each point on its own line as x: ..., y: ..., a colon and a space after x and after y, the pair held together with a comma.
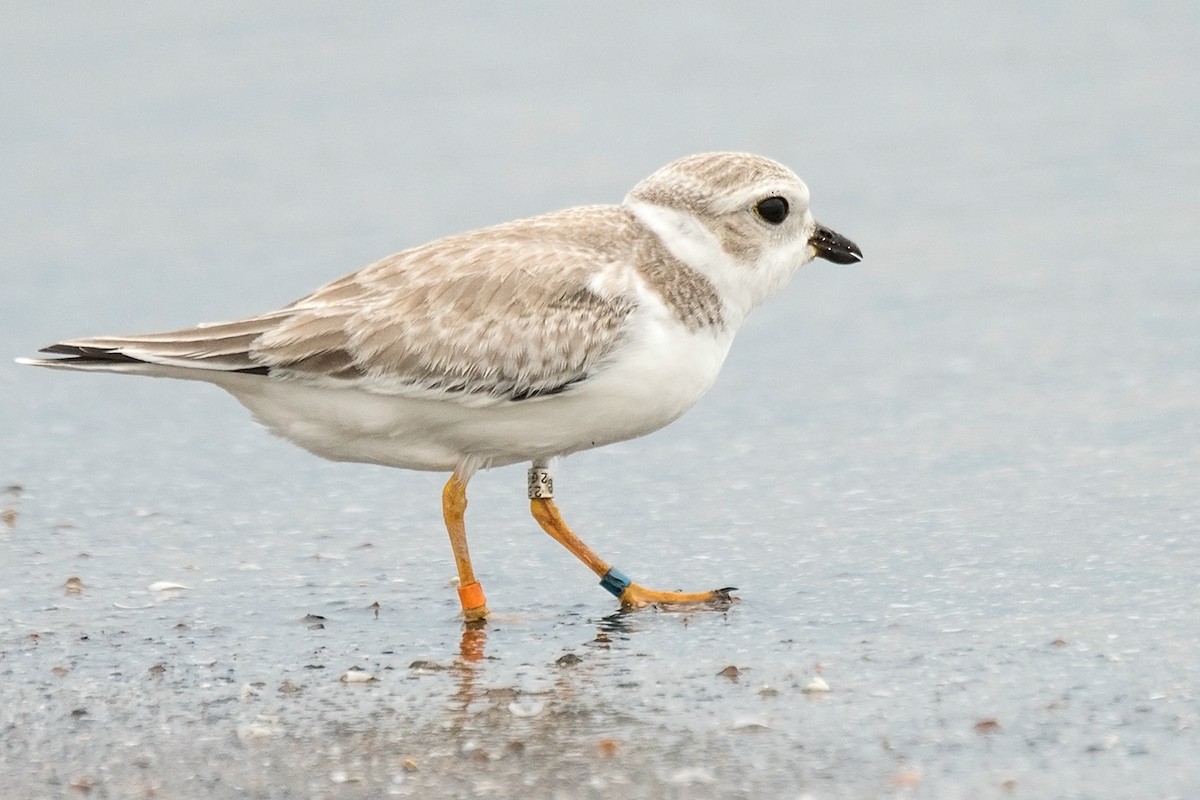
x: 773, y: 209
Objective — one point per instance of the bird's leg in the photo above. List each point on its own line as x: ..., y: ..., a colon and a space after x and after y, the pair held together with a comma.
x: 454, y: 507
x: 631, y: 595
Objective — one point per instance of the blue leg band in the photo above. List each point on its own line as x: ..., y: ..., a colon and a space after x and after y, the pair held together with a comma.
x: 615, y: 582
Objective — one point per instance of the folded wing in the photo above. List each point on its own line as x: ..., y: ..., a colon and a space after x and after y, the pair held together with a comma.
x: 517, y: 311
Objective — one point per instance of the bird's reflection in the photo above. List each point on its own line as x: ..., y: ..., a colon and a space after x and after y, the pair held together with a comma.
x: 471, y: 655
x: 612, y: 633
x: 471, y: 644
x: 621, y: 623
x: 482, y: 700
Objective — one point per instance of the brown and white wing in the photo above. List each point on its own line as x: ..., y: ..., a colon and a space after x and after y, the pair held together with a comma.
x: 517, y: 311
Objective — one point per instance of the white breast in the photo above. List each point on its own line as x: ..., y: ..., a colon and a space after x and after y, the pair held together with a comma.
x: 659, y: 372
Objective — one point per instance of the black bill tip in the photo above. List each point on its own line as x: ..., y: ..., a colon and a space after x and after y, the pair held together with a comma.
x: 834, y: 247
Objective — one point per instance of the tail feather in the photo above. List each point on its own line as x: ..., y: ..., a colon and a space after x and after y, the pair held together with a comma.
x: 223, y: 347
x: 99, y: 348
x: 200, y: 334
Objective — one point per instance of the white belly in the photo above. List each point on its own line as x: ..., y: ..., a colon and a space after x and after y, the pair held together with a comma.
x: 657, y: 377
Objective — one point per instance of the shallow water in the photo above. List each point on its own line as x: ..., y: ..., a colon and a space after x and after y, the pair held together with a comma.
x: 956, y: 482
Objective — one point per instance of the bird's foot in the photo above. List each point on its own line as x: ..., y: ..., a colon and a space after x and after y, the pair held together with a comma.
x: 477, y: 614
x: 637, y: 596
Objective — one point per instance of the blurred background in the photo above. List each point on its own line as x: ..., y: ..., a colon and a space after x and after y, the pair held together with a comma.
x: 957, y: 481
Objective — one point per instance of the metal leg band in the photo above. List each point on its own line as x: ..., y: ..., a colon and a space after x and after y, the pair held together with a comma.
x: 541, y: 484
x: 615, y: 582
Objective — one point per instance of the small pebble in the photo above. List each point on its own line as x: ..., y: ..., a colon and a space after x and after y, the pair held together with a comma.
x: 84, y: 785
x: 691, y: 775
x: 749, y: 725
x: 986, y: 726
x: 357, y: 676
x: 254, y: 731
x: 527, y: 708
x: 166, y: 586
x: 816, y: 686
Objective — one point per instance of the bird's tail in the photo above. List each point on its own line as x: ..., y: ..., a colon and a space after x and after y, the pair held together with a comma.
x: 215, y: 347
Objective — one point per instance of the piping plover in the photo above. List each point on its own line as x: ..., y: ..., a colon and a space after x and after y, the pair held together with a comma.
x: 521, y: 342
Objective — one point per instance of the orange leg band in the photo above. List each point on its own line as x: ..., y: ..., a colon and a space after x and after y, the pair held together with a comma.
x: 471, y: 597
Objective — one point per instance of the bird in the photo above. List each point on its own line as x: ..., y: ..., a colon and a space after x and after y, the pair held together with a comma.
x: 526, y: 341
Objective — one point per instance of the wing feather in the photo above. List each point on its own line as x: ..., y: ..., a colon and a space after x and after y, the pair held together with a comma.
x: 510, y: 312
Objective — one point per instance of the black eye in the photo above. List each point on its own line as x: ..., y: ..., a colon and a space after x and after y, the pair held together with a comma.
x: 774, y: 209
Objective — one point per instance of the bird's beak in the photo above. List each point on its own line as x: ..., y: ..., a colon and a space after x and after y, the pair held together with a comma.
x: 834, y: 247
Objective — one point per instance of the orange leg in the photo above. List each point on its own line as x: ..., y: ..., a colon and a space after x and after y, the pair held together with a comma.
x: 631, y: 595
x: 454, y: 508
